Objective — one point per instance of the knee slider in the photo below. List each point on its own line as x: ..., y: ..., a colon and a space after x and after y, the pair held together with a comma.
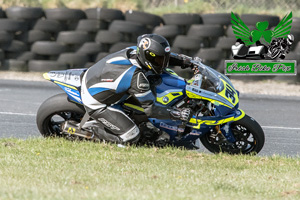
x: 132, y: 135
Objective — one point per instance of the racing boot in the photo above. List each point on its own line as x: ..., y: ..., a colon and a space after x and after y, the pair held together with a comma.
x: 116, y: 126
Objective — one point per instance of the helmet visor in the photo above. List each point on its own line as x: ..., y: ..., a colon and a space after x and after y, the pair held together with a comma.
x: 158, y: 62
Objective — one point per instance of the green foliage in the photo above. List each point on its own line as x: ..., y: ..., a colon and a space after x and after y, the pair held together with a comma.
x: 60, y: 169
x: 199, y: 6
x: 276, y: 7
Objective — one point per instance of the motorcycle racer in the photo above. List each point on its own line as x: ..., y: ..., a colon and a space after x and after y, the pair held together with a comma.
x: 279, y: 47
x: 123, y: 74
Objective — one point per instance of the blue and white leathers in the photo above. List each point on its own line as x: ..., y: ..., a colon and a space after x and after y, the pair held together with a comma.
x: 114, y: 79
x: 103, y: 86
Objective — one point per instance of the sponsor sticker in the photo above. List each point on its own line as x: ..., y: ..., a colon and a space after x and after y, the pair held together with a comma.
x: 167, y: 49
x: 145, y: 43
x: 175, y: 128
x: 108, y: 124
x: 261, y: 51
x: 107, y: 80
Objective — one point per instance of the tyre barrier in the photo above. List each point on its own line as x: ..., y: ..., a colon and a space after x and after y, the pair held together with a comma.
x: 36, y: 39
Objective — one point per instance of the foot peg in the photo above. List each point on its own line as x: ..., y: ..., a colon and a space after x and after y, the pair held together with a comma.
x: 162, y: 140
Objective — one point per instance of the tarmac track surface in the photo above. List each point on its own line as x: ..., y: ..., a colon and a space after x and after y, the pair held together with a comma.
x: 278, y: 115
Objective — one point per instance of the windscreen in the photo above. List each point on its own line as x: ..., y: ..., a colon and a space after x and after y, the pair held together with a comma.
x: 210, y: 80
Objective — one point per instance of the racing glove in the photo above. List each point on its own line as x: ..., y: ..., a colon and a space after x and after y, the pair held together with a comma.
x: 180, y: 60
x: 183, y: 114
x: 186, y: 62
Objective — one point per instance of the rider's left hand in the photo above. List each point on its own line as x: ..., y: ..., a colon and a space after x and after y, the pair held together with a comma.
x: 187, y: 63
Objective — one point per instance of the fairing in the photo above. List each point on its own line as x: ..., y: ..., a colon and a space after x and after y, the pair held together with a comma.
x: 171, y: 89
x: 69, y: 81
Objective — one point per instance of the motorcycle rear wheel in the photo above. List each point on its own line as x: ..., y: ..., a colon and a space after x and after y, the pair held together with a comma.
x: 54, y: 112
x: 249, y: 137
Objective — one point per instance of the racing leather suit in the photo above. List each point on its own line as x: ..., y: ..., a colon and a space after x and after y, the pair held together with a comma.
x: 111, y: 81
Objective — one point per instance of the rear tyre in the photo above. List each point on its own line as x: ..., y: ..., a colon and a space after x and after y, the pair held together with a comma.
x: 249, y: 137
x: 54, y: 111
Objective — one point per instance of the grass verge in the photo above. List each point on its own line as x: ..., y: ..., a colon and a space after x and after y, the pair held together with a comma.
x: 60, y: 169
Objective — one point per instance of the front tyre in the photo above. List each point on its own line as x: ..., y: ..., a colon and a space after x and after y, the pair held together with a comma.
x: 249, y: 137
x: 55, y: 111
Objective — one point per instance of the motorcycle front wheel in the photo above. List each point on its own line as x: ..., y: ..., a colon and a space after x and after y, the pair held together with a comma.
x: 248, y: 134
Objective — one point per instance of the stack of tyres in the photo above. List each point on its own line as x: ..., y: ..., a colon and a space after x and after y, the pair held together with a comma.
x: 33, y: 39
x: 58, y: 22
x: 211, y: 56
x: 188, y: 45
x: 17, y: 24
x: 182, y: 20
x: 48, y: 52
x: 74, y: 41
x: 103, y: 38
x: 108, y: 38
x: 168, y: 31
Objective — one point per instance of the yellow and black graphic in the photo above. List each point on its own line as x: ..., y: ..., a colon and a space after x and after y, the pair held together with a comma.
x: 71, y: 130
x: 168, y: 97
x: 152, y: 54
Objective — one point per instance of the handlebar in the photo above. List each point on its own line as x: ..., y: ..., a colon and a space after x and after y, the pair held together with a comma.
x: 208, y: 73
x: 198, y: 66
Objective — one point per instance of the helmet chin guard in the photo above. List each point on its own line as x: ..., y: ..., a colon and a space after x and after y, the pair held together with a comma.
x: 153, y: 51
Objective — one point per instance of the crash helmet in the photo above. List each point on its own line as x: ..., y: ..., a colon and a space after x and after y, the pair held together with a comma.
x: 290, y: 39
x: 153, y: 51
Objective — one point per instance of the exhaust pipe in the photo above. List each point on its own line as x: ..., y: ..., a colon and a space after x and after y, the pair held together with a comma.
x: 72, y: 129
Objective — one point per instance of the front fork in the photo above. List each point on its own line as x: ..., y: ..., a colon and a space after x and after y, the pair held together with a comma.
x: 222, y: 135
x: 226, y: 131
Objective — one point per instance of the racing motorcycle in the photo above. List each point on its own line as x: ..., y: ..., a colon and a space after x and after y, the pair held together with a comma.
x: 217, y: 120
